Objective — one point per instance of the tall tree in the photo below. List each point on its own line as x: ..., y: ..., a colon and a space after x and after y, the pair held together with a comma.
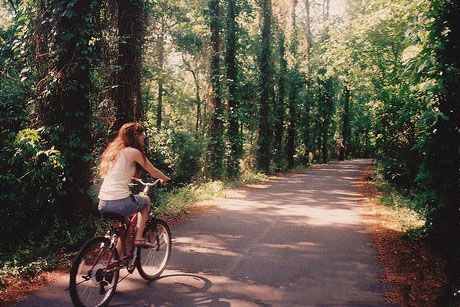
x: 344, y: 147
x: 216, y: 144
x: 294, y: 87
x: 307, y: 101
x: 233, y: 134
x: 67, y: 112
x: 263, y: 155
x: 131, y: 35
x: 326, y: 111
x: 443, y: 158
x: 166, y: 15
x: 280, y: 107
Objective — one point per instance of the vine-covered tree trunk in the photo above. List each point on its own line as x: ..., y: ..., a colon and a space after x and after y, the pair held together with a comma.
x: 306, y: 125
x: 198, y: 99
x: 131, y: 35
x: 291, y: 132
x: 234, y: 138
x: 263, y: 156
x: 443, y: 158
x: 41, y: 60
x: 280, y: 105
x: 318, y: 125
x: 194, y: 70
x: 216, y: 133
x: 307, y: 101
x: 344, y: 150
x: 68, y: 112
x: 328, y: 110
x: 293, y: 93
x: 161, y: 59
x: 309, y: 38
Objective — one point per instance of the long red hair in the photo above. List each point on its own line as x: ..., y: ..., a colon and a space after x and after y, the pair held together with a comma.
x: 127, y: 137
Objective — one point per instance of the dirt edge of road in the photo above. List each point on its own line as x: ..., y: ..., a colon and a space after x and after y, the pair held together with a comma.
x: 416, y: 278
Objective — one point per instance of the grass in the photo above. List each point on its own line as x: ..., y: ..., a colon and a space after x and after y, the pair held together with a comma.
x: 180, y: 199
x: 401, y: 206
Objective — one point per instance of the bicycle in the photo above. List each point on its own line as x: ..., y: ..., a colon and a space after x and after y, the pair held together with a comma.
x: 95, y: 270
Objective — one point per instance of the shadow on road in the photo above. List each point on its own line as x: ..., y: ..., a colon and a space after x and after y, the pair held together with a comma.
x: 297, y: 240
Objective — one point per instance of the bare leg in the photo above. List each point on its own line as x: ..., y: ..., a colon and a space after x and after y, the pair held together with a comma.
x: 142, y: 218
x: 120, y: 248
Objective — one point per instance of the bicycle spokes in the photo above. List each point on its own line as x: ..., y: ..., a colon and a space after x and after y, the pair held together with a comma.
x: 93, y: 278
x: 152, y: 261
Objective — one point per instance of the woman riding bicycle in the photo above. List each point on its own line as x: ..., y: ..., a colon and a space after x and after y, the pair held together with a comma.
x: 118, y: 166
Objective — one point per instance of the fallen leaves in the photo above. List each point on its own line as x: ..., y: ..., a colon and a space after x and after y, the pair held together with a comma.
x: 415, y: 276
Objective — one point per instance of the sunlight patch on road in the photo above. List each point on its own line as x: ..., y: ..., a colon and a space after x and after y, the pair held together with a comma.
x: 203, y: 244
x: 259, y: 186
x: 329, y: 216
x: 293, y: 246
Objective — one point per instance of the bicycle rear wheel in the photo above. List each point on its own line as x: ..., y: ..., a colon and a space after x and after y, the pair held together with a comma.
x: 151, y: 262
x: 91, y: 283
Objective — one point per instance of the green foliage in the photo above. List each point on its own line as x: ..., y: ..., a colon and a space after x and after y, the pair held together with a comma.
x: 34, y: 180
x: 13, y: 87
x: 69, y: 79
x: 45, y: 252
x: 178, y: 153
x: 178, y: 200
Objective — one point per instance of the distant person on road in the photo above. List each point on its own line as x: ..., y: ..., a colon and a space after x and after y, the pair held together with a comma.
x: 118, y: 166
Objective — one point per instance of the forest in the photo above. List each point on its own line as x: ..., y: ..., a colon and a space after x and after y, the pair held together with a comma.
x: 224, y: 88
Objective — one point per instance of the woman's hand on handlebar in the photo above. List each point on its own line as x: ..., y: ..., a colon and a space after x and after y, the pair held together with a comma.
x: 164, y: 180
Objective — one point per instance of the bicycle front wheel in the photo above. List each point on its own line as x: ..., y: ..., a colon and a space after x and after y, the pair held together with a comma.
x: 92, y: 279
x: 151, y: 262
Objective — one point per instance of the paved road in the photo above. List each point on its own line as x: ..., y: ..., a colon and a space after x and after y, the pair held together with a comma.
x: 295, y: 241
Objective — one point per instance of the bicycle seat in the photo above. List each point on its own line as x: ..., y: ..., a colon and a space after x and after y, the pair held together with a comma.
x: 115, y: 217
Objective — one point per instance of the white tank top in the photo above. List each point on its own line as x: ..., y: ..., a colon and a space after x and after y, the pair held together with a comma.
x: 115, y: 184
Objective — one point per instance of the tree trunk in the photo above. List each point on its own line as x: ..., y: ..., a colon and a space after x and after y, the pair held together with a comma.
x: 318, y: 126
x: 160, y: 46
x: 41, y: 61
x: 291, y: 132
x: 307, y: 102
x: 309, y: 38
x: 293, y: 93
x: 234, y: 139
x: 198, y: 99
x: 344, y: 148
x: 216, y: 143
x: 263, y: 156
x: 68, y: 112
x: 280, y: 106
x: 328, y: 109
x: 131, y: 35
x: 306, y: 126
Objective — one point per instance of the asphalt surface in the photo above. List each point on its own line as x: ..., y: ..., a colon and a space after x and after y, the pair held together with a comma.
x: 298, y: 240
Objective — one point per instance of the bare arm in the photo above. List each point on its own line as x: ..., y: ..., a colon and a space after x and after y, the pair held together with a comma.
x: 136, y: 156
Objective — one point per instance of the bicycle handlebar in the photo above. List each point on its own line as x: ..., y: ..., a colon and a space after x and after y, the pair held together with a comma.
x: 147, y: 184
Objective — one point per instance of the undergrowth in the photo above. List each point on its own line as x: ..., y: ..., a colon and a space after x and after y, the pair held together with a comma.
x: 404, y: 206
x: 62, y: 241
x: 179, y: 199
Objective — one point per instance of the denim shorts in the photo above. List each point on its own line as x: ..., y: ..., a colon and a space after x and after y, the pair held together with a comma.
x: 126, y: 206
